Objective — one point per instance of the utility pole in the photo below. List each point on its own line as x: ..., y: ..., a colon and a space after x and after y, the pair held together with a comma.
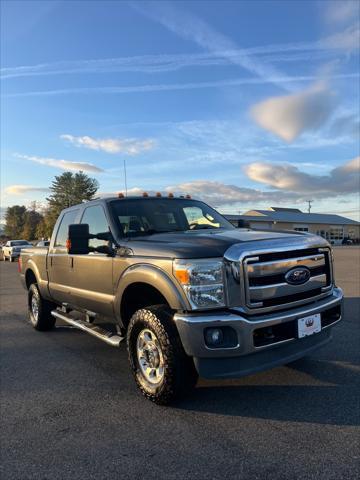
x: 309, y: 202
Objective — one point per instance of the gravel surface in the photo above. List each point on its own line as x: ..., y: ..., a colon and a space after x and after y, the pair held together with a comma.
x: 70, y: 408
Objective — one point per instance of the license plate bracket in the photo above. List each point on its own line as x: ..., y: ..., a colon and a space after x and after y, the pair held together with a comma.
x: 309, y: 325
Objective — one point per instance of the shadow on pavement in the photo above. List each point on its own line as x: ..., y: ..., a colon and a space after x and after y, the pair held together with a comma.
x: 339, y: 380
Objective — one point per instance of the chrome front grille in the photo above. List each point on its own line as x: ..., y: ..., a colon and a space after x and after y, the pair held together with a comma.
x: 265, y: 284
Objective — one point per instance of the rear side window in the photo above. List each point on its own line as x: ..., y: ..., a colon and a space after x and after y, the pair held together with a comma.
x: 62, y: 233
x: 95, y: 217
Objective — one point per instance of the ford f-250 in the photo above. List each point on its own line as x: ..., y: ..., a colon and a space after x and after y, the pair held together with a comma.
x: 191, y: 294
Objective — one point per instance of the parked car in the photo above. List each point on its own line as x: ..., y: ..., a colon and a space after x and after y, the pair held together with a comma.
x: 347, y: 241
x: 11, y: 250
x: 190, y: 293
x: 43, y: 243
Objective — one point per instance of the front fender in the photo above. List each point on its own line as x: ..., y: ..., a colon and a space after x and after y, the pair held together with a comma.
x: 155, y: 277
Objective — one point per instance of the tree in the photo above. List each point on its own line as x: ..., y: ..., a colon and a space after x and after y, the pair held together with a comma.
x: 15, y: 221
x: 32, y: 220
x: 66, y: 190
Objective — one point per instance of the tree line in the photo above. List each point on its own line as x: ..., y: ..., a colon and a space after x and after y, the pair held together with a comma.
x: 34, y: 222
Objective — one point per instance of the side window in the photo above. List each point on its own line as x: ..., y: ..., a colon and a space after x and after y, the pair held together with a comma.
x: 95, y: 217
x: 62, y: 233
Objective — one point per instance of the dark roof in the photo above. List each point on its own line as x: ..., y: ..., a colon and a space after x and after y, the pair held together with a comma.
x: 292, y: 217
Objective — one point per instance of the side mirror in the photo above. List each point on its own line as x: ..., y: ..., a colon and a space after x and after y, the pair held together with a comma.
x: 78, y: 239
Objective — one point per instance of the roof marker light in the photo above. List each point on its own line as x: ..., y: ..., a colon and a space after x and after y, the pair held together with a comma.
x: 145, y: 194
x: 171, y: 195
x: 121, y: 195
x: 158, y: 194
x: 188, y: 196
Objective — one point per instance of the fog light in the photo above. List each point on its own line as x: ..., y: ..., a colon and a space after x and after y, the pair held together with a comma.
x: 214, y: 336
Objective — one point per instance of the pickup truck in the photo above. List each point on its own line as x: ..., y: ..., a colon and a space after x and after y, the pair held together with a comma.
x: 189, y: 293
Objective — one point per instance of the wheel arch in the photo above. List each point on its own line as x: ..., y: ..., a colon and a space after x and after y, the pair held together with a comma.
x: 30, y: 278
x: 142, y: 283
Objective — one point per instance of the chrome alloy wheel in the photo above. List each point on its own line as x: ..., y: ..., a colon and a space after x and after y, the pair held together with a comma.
x: 35, y: 307
x: 150, y: 356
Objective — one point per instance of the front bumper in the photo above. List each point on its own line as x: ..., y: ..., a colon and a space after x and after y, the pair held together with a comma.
x: 247, y: 357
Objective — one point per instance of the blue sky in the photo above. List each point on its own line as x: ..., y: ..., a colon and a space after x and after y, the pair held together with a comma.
x: 244, y: 104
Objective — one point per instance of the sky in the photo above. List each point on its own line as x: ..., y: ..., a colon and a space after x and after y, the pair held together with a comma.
x: 243, y: 104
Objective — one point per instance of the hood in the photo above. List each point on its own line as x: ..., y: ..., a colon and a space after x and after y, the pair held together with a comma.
x: 203, y: 244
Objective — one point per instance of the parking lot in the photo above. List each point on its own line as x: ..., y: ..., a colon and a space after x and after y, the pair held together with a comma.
x: 70, y: 408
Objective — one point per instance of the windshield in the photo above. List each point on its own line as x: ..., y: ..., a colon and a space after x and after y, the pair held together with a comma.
x: 136, y: 217
x: 17, y: 243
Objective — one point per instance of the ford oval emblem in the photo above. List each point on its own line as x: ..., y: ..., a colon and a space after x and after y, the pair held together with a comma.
x: 297, y: 276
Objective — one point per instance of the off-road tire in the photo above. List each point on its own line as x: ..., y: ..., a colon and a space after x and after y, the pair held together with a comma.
x: 179, y: 376
x: 43, y: 320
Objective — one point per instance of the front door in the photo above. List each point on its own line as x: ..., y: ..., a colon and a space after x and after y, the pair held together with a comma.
x: 59, y: 262
x: 92, y: 287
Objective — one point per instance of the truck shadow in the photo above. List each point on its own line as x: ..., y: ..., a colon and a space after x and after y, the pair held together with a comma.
x: 320, y: 389
x: 333, y: 400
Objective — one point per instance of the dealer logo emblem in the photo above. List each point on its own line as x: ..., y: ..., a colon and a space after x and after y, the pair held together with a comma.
x: 297, y: 276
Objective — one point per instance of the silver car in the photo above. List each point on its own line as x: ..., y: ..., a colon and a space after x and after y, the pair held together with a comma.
x: 11, y: 250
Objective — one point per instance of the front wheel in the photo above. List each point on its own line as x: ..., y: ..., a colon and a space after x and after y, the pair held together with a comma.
x: 40, y: 310
x: 161, y: 368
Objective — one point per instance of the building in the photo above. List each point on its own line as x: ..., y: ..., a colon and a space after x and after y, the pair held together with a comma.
x: 332, y: 227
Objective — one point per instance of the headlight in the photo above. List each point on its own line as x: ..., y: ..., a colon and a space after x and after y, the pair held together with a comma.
x: 202, y: 281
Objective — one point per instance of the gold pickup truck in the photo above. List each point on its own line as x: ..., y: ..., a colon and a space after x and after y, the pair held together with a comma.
x: 189, y: 293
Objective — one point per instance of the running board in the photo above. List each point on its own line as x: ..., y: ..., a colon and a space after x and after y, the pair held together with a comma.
x: 98, y: 332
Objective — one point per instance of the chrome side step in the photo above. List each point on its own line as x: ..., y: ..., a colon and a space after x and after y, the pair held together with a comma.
x: 98, y: 332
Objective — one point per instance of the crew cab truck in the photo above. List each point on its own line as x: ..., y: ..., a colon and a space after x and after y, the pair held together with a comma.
x: 191, y: 294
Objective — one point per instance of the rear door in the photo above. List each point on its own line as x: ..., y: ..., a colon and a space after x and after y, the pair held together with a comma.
x: 93, y: 273
x: 60, y: 263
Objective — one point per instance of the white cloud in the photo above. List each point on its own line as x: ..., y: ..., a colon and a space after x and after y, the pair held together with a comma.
x: 128, y: 146
x: 288, y: 185
x: 340, y: 180
x: 283, y: 52
x: 288, y: 116
x: 21, y: 189
x: 342, y: 10
x: 175, y: 86
x: 62, y: 164
x: 347, y: 40
x: 193, y: 28
x: 218, y: 193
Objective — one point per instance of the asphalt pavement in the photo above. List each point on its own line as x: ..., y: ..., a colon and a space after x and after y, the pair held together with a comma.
x: 70, y: 408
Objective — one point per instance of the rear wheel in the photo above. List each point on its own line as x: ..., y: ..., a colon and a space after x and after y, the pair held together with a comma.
x: 162, y: 370
x: 39, y: 310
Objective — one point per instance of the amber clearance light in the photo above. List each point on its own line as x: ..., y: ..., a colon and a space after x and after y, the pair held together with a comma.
x: 182, y: 276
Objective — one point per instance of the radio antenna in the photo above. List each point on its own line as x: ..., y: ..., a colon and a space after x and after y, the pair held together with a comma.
x: 125, y: 179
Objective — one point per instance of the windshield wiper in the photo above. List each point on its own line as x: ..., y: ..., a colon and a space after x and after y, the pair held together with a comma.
x: 152, y: 231
x: 202, y: 227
